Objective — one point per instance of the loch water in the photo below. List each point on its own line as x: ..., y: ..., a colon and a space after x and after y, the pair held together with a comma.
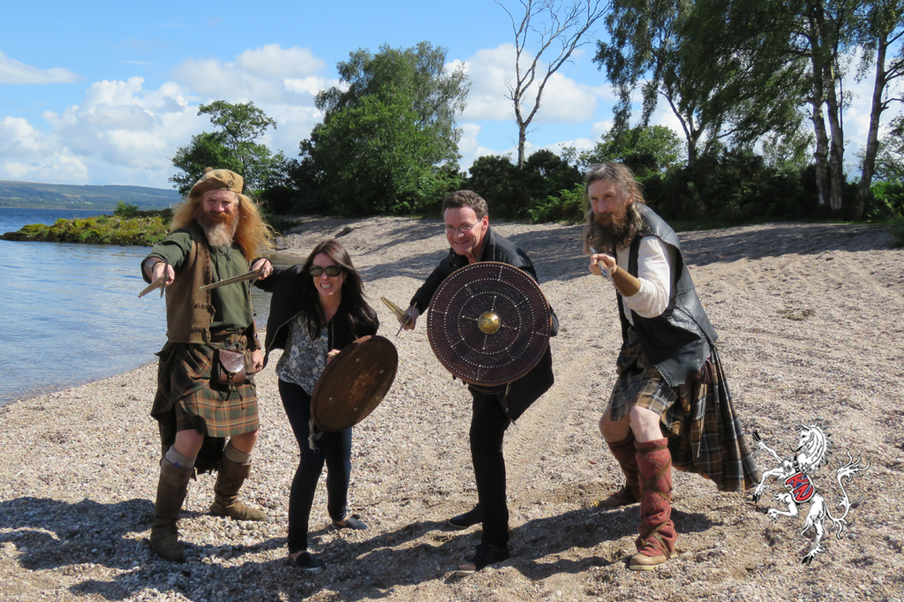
x: 72, y: 311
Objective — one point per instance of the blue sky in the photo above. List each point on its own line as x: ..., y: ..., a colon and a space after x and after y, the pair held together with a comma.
x: 104, y: 93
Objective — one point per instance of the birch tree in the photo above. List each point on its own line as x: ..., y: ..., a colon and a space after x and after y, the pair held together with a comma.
x: 722, y: 70
x: 882, y: 30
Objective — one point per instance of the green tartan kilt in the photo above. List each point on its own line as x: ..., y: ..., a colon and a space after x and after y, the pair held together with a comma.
x: 699, y: 418
x: 187, y: 399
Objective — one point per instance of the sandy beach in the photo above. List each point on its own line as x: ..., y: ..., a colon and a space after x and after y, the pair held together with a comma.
x: 811, y: 325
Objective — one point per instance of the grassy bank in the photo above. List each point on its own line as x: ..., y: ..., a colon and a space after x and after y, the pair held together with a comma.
x: 141, y: 228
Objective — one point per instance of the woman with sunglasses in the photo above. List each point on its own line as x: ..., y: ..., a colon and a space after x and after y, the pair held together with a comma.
x: 317, y: 309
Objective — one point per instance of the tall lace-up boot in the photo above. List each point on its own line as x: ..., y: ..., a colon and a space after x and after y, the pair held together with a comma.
x: 656, y: 543
x: 625, y: 452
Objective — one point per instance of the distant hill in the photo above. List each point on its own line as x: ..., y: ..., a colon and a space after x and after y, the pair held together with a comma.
x: 31, y: 195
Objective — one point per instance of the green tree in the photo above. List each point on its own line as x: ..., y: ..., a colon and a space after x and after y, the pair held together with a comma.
x: 881, y: 29
x: 233, y: 146
x: 518, y: 192
x: 890, y: 155
x: 719, y: 65
x: 645, y: 149
x: 370, y: 155
x: 388, y: 141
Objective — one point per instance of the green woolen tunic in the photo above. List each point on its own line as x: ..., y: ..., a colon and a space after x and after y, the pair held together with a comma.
x: 231, y: 303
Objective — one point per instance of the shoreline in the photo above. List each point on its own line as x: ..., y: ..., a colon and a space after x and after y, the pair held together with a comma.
x: 809, y: 323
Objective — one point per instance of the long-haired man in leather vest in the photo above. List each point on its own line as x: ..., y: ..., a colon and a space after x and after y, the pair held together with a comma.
x: 669, y: 376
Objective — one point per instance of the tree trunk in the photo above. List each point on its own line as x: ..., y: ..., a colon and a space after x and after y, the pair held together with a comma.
x: 522, y: 142
x: 821, y: 153
x: 872, y: 137
x: 836, y: 146
x: 522, y: 128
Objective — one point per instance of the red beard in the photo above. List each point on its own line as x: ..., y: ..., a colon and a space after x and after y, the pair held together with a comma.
x: 219, y: 227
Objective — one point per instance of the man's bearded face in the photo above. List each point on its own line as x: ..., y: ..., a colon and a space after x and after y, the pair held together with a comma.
x: 218, y: 215
x: 615, y: 219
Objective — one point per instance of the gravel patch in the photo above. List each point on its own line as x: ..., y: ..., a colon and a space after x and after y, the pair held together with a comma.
x: 810, y: 320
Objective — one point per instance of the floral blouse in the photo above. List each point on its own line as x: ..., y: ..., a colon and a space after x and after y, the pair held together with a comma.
x: 304, y: 359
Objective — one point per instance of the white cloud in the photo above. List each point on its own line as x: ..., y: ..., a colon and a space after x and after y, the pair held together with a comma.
x: 273, y: 61
x: 121, y: 132
x: 599, y: 128
x: 18, y: 138
x: 269, y: 74
x: 55, y: 167
x: 309, y: 85
x: 122, y: 124
x: 468, y: 145
x: 492, y: 71
x: 217, y: 80
x: 16, y: 72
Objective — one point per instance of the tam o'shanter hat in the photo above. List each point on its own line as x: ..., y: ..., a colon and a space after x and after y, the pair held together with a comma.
x: 217, y: 179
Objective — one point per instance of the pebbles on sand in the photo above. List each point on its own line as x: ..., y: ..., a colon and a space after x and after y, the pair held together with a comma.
x: 810, y: 318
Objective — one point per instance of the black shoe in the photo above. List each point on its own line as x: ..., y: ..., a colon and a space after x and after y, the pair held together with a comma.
x: 305, y: 561
x: 484, y: 556
x: 351, y: 522
x: 463, y: 521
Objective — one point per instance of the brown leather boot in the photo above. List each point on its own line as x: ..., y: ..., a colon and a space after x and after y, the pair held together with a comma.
x: 656, y: 543
x: 230, y: 477
x: 171, y: 490
x: 625, y: 452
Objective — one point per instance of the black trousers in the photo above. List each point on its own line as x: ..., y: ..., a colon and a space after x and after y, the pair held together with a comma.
x: 334, y: 449
x: 488, y: 424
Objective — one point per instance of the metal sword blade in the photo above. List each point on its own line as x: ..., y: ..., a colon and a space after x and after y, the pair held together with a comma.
x: 401, y: 316
x: 252, y: 275
x: 159, y: 283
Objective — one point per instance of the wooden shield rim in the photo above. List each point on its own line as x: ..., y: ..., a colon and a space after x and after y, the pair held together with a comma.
x: 465, y: 377
x: 325, y: 389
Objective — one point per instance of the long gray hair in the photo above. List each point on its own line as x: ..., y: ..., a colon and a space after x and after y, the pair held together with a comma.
x: 606, y: 239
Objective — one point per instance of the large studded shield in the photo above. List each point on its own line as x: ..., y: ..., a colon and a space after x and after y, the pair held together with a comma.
x: 489, y: 323
x: 354, y: 383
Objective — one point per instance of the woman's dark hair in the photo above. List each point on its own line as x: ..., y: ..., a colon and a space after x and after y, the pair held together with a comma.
x: 354, y: 312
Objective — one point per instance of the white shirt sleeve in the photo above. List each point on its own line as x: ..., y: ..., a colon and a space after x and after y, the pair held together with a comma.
x: 655, y: 262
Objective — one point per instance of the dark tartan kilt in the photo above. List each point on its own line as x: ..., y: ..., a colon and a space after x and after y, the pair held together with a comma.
x: 185, y: 393
x: 704, y: 432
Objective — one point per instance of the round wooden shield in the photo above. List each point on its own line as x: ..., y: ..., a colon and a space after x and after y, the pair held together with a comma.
x: 489, y: 323
x: 354, y: 383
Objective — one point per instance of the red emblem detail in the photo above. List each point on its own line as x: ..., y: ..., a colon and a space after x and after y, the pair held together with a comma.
x: 801, y: 487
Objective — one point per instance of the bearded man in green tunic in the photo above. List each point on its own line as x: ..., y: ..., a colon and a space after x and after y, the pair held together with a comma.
x: 214, y: 235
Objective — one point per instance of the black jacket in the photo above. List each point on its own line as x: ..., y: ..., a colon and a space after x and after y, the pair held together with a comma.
x: 677, y: 341
x: 531, y: 386
x: 285, y: 284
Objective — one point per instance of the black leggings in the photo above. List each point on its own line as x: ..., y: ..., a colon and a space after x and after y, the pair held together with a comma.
x: 334, y: 448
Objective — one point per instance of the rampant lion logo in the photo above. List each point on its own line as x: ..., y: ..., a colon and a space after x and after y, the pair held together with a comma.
x: 796, y: 475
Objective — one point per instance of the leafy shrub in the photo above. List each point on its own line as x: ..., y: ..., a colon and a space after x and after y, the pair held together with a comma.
x: 565, y: 206
x: 125, y: 210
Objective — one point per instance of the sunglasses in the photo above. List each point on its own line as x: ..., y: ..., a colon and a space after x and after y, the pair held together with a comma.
x: 331, y: 270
